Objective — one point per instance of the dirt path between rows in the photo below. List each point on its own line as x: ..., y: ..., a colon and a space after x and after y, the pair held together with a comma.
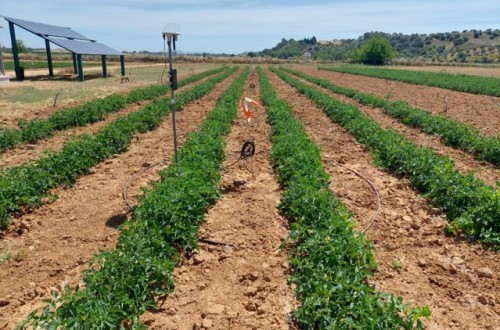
x: 53, y: 244
x: 240, y: 287
x: 464, y: 162
x: 479, y: 111
x: 457, y: 280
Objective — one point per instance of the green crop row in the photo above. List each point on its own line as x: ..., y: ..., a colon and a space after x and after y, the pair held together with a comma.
x: 452, y: 133
x: 26, y: 186
x: 471, y: 206
x: 91, y: 112
x: 331, y: 261
x: 461, y: 82
x: 121, y: 284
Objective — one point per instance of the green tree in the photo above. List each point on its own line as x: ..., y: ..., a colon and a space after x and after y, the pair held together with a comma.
x: 21, y: 47
x: 377, y: 51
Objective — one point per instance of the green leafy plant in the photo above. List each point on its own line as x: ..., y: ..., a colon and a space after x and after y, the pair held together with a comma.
x: 461, y: 82
x: 376, y: 51
x: 470, y: 205
x: 396, y: 264
x: 330, y: 261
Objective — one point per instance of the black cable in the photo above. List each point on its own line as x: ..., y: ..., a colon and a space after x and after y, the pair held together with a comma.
x: 248, y: 149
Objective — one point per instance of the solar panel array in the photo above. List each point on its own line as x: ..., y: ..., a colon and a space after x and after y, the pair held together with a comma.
x: 42, y: 29
x: 84, y: 47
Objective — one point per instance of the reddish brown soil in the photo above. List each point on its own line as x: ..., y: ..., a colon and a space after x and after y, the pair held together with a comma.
x: 53, y: 244
x: 479, y: 111
x: 436, y: 270
x: 240, y: 287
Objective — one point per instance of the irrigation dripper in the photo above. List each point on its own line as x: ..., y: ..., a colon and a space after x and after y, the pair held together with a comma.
x: 248, y: 149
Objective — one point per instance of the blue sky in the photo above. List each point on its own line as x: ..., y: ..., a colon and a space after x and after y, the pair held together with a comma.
x: 234, y: 26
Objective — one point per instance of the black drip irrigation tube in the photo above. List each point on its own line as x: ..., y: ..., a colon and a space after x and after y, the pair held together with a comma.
x: 248, y: 149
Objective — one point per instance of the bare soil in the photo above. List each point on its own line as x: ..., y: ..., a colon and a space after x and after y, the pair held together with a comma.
x: 416, y: 259
x: 479, y: 111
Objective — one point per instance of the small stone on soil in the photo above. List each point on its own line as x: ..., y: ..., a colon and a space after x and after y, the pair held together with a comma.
x: 485, y: 272
x: 207, y: 323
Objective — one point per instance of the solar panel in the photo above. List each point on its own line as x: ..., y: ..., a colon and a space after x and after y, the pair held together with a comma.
x: 84, y: 47
x: 46, y: 29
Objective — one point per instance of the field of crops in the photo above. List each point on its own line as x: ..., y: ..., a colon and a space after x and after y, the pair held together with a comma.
x: 461, y: 82
x: 356, y: 210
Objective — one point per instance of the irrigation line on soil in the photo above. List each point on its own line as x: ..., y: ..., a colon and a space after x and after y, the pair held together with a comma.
x: 377, y: 194
x: 131, y: 179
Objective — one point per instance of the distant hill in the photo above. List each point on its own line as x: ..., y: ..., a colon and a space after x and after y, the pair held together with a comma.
x: 474, y: 46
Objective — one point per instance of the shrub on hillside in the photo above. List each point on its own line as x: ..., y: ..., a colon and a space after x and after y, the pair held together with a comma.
x: 377, y: 51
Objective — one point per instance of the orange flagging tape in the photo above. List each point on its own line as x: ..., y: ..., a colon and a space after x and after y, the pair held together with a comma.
x: 245, y: 106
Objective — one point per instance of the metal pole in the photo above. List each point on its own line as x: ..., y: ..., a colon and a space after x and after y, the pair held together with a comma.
x: 172, y: 96
x: 75, y: 67
x: 49, y: 58
x: 104, y: 67
x: 15, y: 53
x: 80, y: 67
x: 2, y: 66
x: 122, y: 64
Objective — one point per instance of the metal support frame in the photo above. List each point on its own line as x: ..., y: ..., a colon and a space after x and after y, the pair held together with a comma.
x: 75, y: 67
x: 15, y: 53
x: 122, y: 64
x: 104, y: 67
x: 49, y: 58
x: 80, y: 67
x: 2, y: 66
x: 171, y: 38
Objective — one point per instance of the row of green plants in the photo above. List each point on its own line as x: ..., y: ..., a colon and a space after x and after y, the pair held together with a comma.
x: 472, y: 207
x: 459, y: 82
x: 28, y: 185
x: 330, y: 261
x: 91, y: 112
x: 122, y: 284
x: 453, y: 133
